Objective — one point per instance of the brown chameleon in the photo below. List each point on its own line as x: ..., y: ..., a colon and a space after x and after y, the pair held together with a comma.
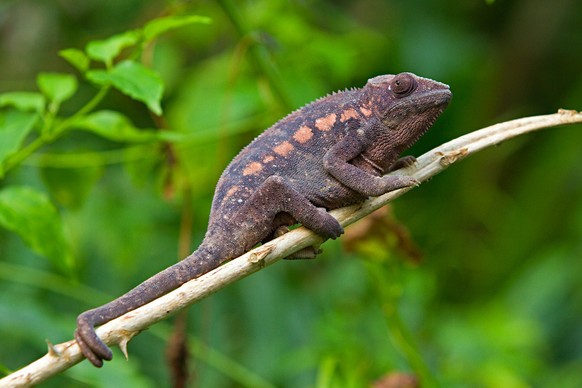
x: 331, y: 153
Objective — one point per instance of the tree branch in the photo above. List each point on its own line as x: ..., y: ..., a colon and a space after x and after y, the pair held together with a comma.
x: 119, y: 331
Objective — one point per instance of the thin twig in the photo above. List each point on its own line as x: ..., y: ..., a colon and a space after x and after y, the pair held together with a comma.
x: 62, y: 356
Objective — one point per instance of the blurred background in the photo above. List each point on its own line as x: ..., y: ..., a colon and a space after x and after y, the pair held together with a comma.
x: 471, y: 280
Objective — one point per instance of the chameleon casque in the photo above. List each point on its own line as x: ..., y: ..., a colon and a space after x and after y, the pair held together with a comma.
x: 331, y: 153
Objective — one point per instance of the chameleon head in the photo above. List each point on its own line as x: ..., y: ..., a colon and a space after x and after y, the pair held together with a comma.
x: 406, y: 105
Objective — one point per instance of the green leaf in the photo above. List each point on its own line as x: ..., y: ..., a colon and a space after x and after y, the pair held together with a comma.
x: 114, y: 126
x: 100, y: 77
x: 77, y: 58
x: 58, y: 87
x: 14, y: 126
x: 25, y: 101
x: 134, y: 80
x: 108, y: 49
x: 30, y: 214
x: 159, y: 26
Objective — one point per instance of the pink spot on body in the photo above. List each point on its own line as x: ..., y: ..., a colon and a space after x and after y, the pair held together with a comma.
x: 303, y: 134
x: 348, y: 114
x: 325, y: 123
x: 284, y: 148
x: 366, y: 112
x: 231, y: 191
x: 252, y: 168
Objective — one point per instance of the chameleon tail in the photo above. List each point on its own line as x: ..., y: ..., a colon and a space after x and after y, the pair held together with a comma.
x: 92, y: 347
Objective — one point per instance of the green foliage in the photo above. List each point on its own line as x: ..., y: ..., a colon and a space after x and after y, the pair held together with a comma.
x: 14, y: 127
x: 116, y: 150
x: 114, y: 126
x: 57, y: 87
x: 33, y: 217
x: 77, y: 58
x: 23, y: 101
x: 107, y: 50
x: 157, y: 27
x: 23, y: 209
x: 134, y: 80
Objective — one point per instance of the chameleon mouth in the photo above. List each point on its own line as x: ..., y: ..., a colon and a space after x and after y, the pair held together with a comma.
x: 423, y: 102
x: 433, y: 98
x: 426, y: 109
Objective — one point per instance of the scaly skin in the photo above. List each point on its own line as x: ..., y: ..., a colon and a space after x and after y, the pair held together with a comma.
x: 331, y: 153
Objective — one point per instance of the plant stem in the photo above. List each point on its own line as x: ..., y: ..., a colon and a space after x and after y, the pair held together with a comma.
x: 24, y: 153
x: 88, y: 107
x: 55, y: 132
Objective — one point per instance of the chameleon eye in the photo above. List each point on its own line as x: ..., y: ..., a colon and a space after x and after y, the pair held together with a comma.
x: 403, y: 85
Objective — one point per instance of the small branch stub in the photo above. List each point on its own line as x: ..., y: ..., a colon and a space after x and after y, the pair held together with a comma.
x: 257, y: 256
x: 52, y: 350
x: 446, y: 159
x: 123, y: 345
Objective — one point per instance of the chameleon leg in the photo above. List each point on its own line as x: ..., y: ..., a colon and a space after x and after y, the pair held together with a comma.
x: 275, y: 196
x: 305, y: 253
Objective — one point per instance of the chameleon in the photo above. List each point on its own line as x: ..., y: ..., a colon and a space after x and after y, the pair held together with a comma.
x: 328, y: 154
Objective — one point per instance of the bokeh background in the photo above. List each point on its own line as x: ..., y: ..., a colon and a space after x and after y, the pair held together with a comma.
x: 474, y: 279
